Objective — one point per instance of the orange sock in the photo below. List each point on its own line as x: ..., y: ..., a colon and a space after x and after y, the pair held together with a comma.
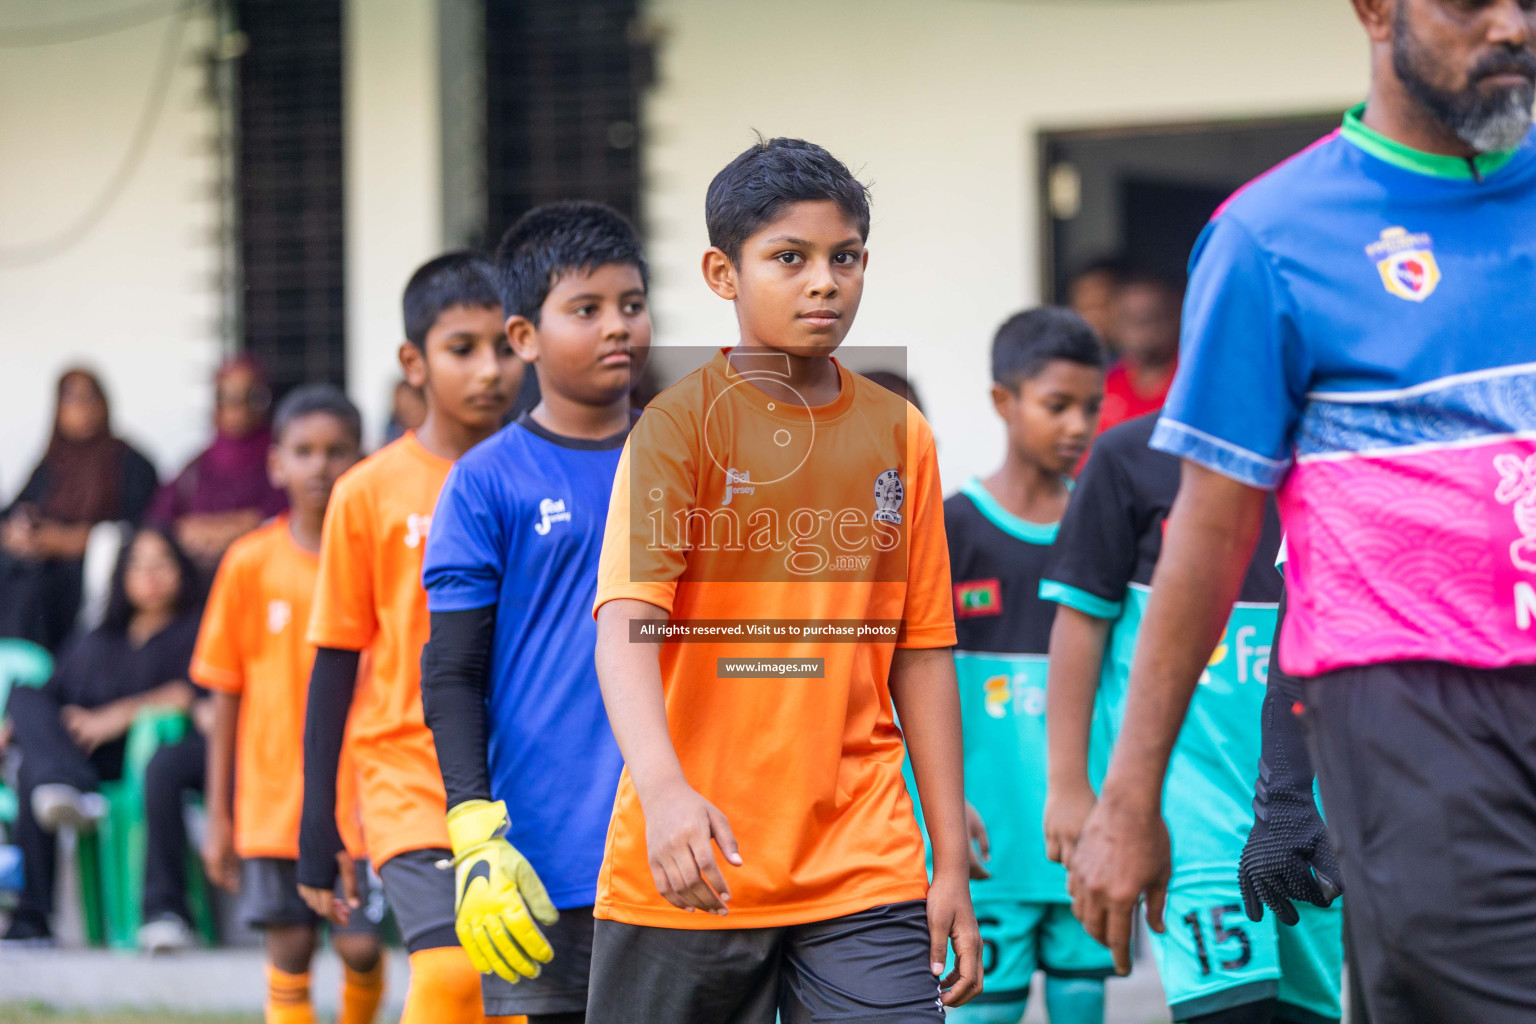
x: 361, y: 994
x: 445, y: 989
x: 519, y: 1019
x: 288, y: 998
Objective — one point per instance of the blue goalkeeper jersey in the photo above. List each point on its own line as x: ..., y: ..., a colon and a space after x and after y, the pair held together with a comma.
x: 519, y: 525
x: 1102, y: 564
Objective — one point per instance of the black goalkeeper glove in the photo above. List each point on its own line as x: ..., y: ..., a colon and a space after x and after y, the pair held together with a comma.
x: 1288, y: 855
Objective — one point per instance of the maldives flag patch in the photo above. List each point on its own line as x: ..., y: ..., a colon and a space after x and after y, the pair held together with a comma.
x: 975, y: 598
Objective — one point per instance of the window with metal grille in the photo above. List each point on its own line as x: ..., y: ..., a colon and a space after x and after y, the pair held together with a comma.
x: 290, y: 177
x: 563, y: 85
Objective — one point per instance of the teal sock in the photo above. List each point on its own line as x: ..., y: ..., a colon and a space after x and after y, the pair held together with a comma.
x: 1074, y: 1000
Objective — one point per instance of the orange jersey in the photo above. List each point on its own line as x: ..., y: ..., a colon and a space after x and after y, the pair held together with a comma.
x: 737, y: 509
x: 252, y: 644
x: 370, y: 598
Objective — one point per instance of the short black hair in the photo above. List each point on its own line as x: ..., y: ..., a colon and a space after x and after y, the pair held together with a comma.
x: 556, y: 239
x: 1029, y: 340
x: 120, y: 610
x: 310, y: 399
x: 460, y: 278
x: 772, y: 173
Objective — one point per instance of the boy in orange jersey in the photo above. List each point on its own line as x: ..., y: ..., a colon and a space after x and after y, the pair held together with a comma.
x: 252, y: 653
x: 369, y: 598
x: 775, y: 490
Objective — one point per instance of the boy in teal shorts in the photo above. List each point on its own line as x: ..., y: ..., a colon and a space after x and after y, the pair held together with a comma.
x: 1217, y: 966
x: 1048, y: 381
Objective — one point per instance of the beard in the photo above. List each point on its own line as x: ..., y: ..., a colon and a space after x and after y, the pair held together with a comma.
x: 1486, y: 121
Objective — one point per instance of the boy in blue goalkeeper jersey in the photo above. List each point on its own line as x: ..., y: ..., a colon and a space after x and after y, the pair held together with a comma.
x: 510, y: 692
x: 1217, y: 967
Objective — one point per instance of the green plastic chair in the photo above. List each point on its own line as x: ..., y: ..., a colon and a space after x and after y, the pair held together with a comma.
x: 111, y: 860
x: 22, y: 663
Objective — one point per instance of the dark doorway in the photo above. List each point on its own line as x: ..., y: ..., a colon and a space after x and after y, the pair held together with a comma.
x: 1143, y: 194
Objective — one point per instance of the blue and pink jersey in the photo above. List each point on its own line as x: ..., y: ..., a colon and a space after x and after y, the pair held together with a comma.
x: 1360, y: 333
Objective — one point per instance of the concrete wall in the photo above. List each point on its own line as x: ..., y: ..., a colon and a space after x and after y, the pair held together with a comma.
x: 136, y: 295
x: 938, y: 105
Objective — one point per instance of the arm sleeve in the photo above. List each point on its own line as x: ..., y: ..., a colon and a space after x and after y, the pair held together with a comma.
x: 929, y: 612
x: 1243, y: 371
x: 454, y: 667
x: 1094, y: 555
x: 1285, y: 765
x: 325, y: 727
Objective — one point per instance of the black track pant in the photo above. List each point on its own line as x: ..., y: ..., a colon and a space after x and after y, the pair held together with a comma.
x: 174, y: 771
x: 1428, y: 775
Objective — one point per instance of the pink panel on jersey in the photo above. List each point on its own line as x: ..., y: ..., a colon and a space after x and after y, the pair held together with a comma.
x: 1417, y: 555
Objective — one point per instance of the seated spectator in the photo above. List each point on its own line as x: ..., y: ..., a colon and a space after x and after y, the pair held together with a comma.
x: 224, y: 492
x: 1147, y: 329
x: 72, y: 731
x: 86, y: 477
x: 176, y: 770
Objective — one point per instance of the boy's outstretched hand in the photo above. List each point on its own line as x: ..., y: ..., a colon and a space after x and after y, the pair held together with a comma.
x: 952, y: 922
x: 1066, y: 811
x: 679, y: 827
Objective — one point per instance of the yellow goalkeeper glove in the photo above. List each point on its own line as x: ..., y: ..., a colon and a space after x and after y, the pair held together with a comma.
x: 497, y: 889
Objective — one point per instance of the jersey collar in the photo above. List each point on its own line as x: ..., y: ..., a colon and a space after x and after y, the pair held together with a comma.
x: 993, y: 511
x: 1435, y: 165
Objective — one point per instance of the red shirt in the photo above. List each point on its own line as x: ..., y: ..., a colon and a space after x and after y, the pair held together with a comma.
x: 1123, y: 402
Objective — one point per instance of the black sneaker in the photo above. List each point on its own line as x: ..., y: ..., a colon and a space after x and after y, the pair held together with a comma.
x: 28, y: 928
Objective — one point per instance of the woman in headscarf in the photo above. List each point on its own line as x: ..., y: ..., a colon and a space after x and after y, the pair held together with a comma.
x: 224, y: 492
x: 87, y: 476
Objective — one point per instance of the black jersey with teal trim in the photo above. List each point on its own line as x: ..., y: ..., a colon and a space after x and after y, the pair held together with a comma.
x: 1102, y: 564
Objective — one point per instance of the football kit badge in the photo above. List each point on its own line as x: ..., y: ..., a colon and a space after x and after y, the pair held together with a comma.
x: 1406, y: 263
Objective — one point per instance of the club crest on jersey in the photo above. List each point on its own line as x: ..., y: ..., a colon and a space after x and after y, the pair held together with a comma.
x: 977, y: 598
x: 889, y: 494
x: 279, y: 614
x: 1406, y: 263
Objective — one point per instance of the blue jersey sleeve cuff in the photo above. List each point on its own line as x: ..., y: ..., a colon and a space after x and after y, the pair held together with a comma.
x: 1072, y: 597
x: 1213, y: 453
x: 459, y: 599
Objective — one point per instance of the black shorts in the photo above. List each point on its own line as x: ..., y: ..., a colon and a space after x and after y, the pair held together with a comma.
x: 868, y: 966
x: 421, y: 896
x: 269, y: 898
x: 1428, y: 776
x: 561, y: 986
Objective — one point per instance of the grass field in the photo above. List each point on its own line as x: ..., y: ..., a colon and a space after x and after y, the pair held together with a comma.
x: 36, y: 1013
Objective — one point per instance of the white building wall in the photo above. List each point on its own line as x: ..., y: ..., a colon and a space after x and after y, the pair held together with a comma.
x: 938, y: 106
x: 394, y: 206
x: 136, y: 296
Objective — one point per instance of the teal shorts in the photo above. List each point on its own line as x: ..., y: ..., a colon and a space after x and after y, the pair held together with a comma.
x: 1212, y: 957
x: 1018, y: 939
